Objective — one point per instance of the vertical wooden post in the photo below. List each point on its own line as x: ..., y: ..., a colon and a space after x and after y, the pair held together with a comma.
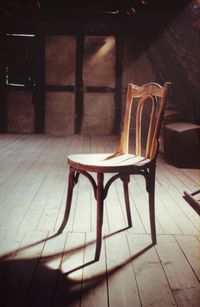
x: 3, y: 107
x: 79, y: 83
x: 39, y: 88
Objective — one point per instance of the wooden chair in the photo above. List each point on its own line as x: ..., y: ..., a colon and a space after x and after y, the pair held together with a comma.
x: 122, y: 163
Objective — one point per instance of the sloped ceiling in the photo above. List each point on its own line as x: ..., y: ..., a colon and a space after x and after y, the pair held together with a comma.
x: 54, y: 12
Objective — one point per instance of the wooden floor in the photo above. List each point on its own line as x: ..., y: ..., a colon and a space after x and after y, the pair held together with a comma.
x: 39, y: 269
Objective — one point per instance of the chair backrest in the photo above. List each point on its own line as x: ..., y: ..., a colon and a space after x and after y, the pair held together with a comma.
x: 155, y: 97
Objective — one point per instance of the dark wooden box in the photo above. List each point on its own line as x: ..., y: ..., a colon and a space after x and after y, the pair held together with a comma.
x: 182, y: 144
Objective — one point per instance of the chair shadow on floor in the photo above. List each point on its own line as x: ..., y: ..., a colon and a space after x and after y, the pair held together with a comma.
x: 20, y: 278
x: 73, y: 250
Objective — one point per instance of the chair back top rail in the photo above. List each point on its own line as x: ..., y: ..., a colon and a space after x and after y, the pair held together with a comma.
x: 157, y: 95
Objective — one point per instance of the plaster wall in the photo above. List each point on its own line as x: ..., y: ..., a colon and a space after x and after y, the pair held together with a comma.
x: 98, y: 113
x: 59, y: 113
x: 20, y: 115
x: 60, y: 60
x: 99, y: 61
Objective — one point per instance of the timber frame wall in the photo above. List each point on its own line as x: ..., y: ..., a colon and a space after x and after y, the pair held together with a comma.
x: 152, y: 46
x: 39, y: 87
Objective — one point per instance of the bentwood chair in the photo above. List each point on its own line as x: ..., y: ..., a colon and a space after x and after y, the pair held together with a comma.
x: 122, y: 164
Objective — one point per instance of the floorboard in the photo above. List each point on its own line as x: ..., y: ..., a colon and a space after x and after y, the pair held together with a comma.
x: 40, y: 268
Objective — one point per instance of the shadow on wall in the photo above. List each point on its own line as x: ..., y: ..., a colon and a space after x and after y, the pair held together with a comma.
x: 164, y: 47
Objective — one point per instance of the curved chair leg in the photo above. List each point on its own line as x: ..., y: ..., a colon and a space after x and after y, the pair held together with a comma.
x: 152, y: 204
x: 100, y: 198
x: 126, y: 180
x: 71, y: 181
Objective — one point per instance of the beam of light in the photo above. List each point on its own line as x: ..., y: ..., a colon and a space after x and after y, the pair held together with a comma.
x: 20, y: 34
x: 107, y: 46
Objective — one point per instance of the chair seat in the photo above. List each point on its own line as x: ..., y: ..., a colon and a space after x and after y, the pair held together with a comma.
x: 106, y: 162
